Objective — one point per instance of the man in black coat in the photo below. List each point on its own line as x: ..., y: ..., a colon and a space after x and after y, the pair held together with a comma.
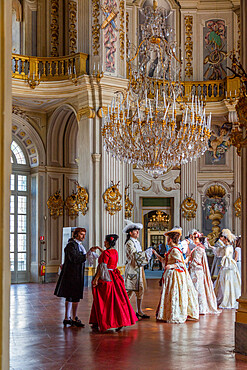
x: 70, y: 284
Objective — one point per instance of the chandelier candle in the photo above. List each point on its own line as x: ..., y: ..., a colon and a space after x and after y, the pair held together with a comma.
x: 153, y: 124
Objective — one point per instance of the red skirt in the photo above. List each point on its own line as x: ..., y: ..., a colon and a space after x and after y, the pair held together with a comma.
x: 111, y: 305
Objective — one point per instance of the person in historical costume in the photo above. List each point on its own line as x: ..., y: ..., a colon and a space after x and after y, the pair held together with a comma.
x: 70, y: 284
x: 179, y: 299
x: 228, y: 283
x: 219, y: 250
x: 200, y: 276
x: 136, y: 258
x: 111, y: 306
x: 238, y: 253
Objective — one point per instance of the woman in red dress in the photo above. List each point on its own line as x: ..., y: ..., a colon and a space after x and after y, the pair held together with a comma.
x: 111, y: 306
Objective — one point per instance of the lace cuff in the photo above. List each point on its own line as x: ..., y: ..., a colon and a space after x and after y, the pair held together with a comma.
x: 104, y: 273
x: 91, y: 256
x: 149, y: 253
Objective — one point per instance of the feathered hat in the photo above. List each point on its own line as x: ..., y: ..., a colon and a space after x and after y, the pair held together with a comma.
x: 228, y: 235
x: 131, y: 226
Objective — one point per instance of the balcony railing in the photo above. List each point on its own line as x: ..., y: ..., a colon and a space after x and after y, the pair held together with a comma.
x: 48, y: 68
x: 67, y: 67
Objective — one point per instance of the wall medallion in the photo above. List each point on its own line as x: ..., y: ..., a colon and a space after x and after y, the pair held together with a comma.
x: 188, y: 208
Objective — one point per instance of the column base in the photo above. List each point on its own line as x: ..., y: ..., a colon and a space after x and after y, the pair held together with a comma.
x: 241, y: 327
x: 241, y: 338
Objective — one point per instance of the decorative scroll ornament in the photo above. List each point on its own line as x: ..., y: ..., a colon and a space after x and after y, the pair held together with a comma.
x: 237, y: 207
x: 96, y: 27
x: 55, y: 204
x: 71, y: 205
x: 189, y: 207
x: 72, y: 27
x: 188, y: 21
x: 81, y: 199
x: 121, y: 29
x: 112, y: 198
x: 54, y: 28
x: 128, y: 204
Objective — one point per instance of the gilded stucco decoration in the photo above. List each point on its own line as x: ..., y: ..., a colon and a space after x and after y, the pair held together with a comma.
x: 237, y: 207
x: 128, y: 204
x: 112, y: 199
x: 54, y: 28
x: 87, y: 112
x: 71, y: 205
x: 188, y: 22
x: 110, y: 33
x: 72, y: 27
x: 55, y: 204
x: 127, y: 29
x: 188, y: 208
x: 121, y: 29
x: 82, y: 199
x: 96, y: 26
x: 215, y: 204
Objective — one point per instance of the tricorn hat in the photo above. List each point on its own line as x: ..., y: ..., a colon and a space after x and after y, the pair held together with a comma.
x: 174, y: 230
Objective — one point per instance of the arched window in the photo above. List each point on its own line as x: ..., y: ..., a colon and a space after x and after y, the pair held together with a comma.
x: 19, y: 215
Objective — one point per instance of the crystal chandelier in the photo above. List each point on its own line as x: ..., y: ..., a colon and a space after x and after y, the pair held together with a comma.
x: 159, y: 221
x: 153, y: 125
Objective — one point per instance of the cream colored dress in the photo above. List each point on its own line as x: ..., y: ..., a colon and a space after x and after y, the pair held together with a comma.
x: 228, y: 283
x: 200, y: 276
x: 179, y: 299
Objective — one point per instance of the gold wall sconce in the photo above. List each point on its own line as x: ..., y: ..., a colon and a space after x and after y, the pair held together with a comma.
x: 73, y: 75
x: 97, y: 73
x: 55, y: 204
x: 128, y: 204
x: 81, y: 199
x: 188, y: 208
x: 112, y: 199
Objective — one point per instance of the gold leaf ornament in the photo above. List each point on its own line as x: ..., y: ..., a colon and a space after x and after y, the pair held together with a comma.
x: 112, y: 199
x: 55, y: 204
x: 189, y: 207
x: 71, y: 205
x: 82, y: 199
x: 128, y: 204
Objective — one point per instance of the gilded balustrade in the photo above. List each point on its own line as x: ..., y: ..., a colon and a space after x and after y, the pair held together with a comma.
x: 48, y: 68
x: 212, y: 91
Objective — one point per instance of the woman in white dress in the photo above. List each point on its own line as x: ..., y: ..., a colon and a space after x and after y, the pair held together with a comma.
x: 228, y: 283
x: 200, y: 276
x: 178, y: 300
x: 238, y: 253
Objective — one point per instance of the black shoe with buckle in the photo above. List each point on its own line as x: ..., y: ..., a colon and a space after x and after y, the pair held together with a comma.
x: 139, y: 316
x: 118, y: 329
x: 68, y: 322
x: 78, y: 323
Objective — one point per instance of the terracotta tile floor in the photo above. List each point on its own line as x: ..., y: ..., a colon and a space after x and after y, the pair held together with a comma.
x: 38, y: 339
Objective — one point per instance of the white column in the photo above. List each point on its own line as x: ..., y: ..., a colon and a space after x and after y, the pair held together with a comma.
x: 189, y: 188
x: 5, y: 168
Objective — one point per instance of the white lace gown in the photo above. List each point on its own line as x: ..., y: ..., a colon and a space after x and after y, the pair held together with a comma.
x: 228, y: 283
x: 178, y: 299
x: 200, y: 276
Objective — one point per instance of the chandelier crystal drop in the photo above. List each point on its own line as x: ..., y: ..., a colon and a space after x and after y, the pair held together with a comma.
x: 153, y: 125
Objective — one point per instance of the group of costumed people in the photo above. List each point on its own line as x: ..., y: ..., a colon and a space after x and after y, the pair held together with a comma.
x: 186, y: 286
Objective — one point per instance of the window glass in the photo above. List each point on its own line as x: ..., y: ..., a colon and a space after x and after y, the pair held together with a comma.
x: 12, y: 264
x: 12, y: 223
x: 12, y: 182
x: 22, y: 223
x: 19, y: 155
x: 22, y: 204
x: 11, y: 242
x: 22, y: 242
x: 22, y: 261
x: 22, y: 183
x: 12, y: 204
